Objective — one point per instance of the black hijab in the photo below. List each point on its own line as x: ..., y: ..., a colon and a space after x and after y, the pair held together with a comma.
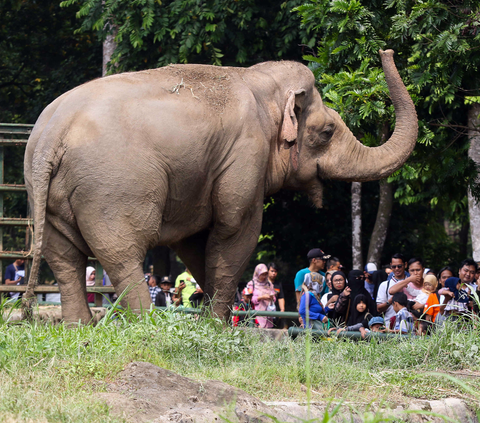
x: 356, y: 282
x: 337, y: 291
x: 332, y: 314
x: 378, y: 277
x: 356, y: 316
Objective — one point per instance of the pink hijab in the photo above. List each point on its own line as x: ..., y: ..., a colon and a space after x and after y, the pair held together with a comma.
x: 261, y: 268
x: 259, y: 289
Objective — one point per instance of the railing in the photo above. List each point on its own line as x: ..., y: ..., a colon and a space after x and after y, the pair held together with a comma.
x: 48, y: 289
x: 16, y: 134
x: 12, y: 134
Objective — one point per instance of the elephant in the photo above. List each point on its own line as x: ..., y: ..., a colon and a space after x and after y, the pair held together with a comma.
x: 184, y: 156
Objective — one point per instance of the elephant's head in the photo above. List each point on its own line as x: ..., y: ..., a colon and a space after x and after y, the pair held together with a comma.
x: 315, y: 144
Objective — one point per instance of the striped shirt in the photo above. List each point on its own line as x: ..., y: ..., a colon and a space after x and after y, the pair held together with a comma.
x: 154, y: 290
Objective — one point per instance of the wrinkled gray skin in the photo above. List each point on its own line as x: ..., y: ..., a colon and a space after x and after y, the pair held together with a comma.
x: 183, y: 156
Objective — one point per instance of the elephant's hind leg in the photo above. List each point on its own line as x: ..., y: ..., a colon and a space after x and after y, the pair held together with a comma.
x: 127, y: 276
x: 69, y: 267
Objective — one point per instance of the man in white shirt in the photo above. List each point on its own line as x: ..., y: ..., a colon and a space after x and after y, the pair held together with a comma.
x: 384, y: 298
x: 412, y: 285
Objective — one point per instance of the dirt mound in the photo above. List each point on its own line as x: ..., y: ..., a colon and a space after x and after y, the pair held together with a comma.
x: 147, y: 393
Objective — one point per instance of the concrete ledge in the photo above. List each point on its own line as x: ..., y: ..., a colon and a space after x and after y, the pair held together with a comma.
x: 52, y: 314
x: 417, y: 411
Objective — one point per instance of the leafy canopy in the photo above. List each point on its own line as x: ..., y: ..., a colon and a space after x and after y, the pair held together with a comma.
x: 436, y: 45
x: 153, y: 33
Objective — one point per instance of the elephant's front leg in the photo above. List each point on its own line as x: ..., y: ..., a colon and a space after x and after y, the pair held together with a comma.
x: 228, y: 251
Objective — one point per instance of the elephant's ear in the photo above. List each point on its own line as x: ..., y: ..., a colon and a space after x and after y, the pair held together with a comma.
x: 290, y: 126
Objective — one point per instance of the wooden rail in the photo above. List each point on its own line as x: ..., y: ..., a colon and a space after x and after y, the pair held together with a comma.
x: 42, y: 289
x: 11, y: 135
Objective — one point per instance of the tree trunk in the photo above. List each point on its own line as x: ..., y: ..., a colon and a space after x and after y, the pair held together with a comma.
x: 379, y: 233
x: 382, y: 222
x: 357, y: 260
x: 474, y: 154
x: 463, y: 238
x: 109, y: 46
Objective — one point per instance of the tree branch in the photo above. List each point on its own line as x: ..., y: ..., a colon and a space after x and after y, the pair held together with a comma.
x: 455, y: 126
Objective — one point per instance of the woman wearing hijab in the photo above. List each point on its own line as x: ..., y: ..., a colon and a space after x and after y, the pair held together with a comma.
x: 313, y: 314
x: 356, y: 282
x: 378, y: 277
x: 90, y: 282
x: 338, y: 299
x: 263, y: 297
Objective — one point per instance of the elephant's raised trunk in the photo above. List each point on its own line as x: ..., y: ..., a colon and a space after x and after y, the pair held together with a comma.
x: 371, y: 163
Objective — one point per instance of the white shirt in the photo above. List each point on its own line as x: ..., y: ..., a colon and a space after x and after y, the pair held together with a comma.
x: 411, y: 292
x: 383, y: 296
x: 422, y: 298
x: 324, y: 299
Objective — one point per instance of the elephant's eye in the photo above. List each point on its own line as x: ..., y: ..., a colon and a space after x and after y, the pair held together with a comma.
x: 326, y: 133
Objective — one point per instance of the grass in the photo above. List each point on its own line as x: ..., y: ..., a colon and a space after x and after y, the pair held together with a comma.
x: 51, y: 373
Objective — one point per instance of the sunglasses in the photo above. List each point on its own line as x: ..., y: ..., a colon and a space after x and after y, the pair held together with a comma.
x: 397, y: 266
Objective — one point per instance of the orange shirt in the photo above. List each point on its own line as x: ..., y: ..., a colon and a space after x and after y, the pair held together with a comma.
x: 432, y: 311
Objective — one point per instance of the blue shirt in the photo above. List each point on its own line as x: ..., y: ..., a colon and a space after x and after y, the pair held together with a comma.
x: 10, y: 271
x: 404, y: 321
x: 316, y: 311
x: 370, y: 287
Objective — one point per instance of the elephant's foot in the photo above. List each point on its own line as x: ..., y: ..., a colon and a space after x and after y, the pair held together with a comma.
x: 77, y: 318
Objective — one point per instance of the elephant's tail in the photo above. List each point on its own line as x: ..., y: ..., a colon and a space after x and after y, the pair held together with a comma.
x: 45, y: 162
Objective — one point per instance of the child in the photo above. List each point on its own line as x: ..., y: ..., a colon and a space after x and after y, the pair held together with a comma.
x: 403, y: 318
x: 361, y: 316
x: 433, y: 306
x: 244, y: 305
x: 376, y: 324
x: 459, y: 298
x: 310, y: 301
x: 429, y: 285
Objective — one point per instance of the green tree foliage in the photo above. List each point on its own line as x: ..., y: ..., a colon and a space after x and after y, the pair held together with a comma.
x: 436, y: 46
x: 40, y: 59
x: 154, y: 33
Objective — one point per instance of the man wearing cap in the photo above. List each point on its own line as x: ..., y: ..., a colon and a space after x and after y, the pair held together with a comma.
x: 368, y: 272
x: 165, y: 296
x: 317, y: 259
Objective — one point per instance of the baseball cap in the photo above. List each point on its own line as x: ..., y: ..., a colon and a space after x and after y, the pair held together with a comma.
x: 166, y: 279
x: 247, y: 291
x: 376, y: 321
x: 317, y: 253
x: 370, y: 268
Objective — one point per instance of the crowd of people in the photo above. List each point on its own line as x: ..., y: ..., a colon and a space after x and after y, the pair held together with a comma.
x: 402, y: 297
x: 164, y: 293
